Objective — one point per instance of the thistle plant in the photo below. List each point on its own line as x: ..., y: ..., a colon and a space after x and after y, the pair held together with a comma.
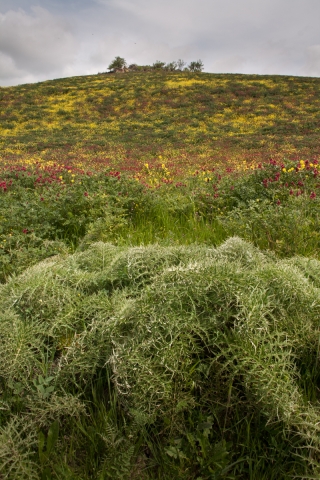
x: 141, y: 337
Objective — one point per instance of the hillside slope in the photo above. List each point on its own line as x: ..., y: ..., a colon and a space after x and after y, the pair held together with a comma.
x: 187, y: 118
x: 174, y: 330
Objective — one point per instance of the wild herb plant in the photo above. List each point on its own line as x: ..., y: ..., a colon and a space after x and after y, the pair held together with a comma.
x: 178, y: 351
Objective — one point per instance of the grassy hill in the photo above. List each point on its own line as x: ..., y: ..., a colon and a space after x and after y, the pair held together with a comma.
x: 125, y: 120
x: 160, y: 278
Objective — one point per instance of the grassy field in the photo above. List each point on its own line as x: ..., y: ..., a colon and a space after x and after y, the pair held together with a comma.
x: 160, y: 278
x: 192, y: 120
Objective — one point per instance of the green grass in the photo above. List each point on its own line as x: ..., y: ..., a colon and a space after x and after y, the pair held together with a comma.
x: 42, y: 215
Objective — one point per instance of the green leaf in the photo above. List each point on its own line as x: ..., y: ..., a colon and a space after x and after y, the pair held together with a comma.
x: 46, y: 474
x: 41, y: 443
x: 48, y: 380
x: 53, y: 434
x: 41, y: 389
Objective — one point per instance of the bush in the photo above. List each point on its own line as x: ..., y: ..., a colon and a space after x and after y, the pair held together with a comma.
x: 171, y: 67
x: 118, y: 62
x: 180, y: 64
x: 175, y: 352
x: 158, y: 65
x: 196, y: 66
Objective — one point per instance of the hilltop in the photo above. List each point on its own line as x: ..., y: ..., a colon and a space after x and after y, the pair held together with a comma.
x: 187, y: 118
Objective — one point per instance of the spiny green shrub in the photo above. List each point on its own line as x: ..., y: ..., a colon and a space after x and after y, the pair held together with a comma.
x: 156, y: 361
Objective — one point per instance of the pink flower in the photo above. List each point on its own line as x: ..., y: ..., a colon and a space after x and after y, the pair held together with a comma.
x: 313, y: 195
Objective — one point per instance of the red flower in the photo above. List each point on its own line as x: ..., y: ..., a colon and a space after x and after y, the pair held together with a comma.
x: 86, y: 194
x: 313, y: 195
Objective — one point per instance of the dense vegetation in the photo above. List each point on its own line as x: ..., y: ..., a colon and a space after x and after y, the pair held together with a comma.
x: 191, y: 120
x: 159, y: 283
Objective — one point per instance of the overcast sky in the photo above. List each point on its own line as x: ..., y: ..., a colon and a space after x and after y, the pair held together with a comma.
x: 46, y: 39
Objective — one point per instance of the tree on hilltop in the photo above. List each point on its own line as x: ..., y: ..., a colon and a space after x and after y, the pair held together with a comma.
x: 118, y: 62
x: 171, y: 67
x: 196, y: 66
x: 158, y: 65
x: 180, y: 64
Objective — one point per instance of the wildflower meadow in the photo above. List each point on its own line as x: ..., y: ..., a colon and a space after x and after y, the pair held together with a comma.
x: 160, y: 277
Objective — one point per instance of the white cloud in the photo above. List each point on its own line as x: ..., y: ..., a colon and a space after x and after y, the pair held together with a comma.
x: 248, y: 36
x: 229, y: 64
x: 34, y: 44
x: 83, y: 36
x: 313, y: 61
x: 8, y: 68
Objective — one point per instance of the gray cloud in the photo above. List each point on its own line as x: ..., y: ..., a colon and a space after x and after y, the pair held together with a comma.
x: 35, y: 45
x: 313, y: 60
x: 82, y: 36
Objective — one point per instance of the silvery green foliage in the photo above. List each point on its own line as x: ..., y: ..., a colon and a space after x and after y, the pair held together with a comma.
x: 169, y: 324
x: 18, y: 441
